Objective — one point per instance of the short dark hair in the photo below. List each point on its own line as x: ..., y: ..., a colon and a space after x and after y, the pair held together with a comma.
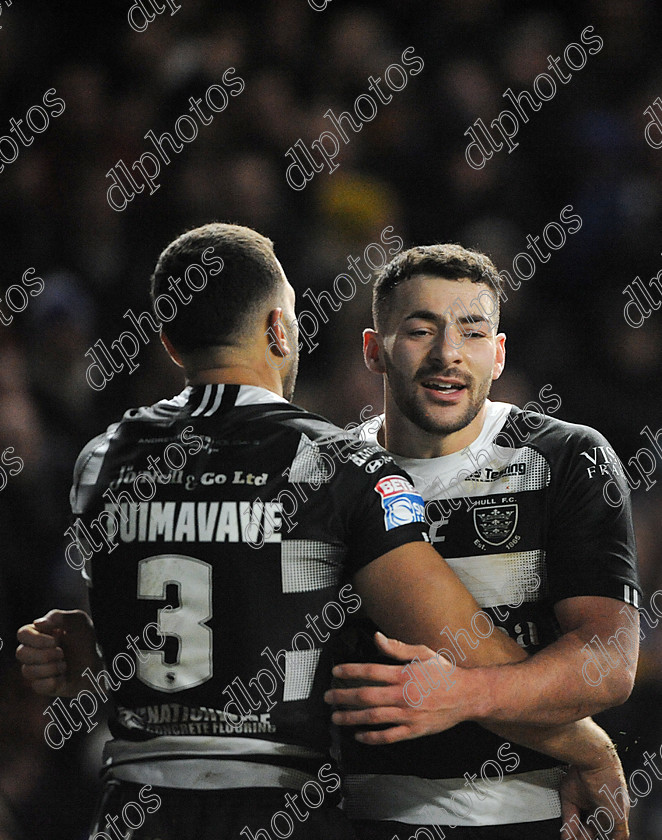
x: 448, y: 261
x: 246, y: 274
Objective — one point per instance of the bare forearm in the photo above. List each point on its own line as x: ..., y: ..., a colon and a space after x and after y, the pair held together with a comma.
x: 581, y: 743
x: 556, y: 686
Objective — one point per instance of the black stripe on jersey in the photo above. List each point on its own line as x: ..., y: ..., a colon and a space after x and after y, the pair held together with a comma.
x: 230, y: 394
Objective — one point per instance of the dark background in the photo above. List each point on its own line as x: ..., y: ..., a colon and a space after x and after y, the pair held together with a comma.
x: 585, y: 147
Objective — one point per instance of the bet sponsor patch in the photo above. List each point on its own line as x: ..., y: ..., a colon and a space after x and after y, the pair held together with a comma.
x: 402, y: 504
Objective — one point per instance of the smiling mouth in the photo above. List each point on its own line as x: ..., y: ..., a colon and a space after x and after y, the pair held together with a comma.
x: 443, y: 387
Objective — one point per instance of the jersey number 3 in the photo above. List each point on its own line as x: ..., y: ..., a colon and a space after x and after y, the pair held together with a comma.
x: 186, y: 622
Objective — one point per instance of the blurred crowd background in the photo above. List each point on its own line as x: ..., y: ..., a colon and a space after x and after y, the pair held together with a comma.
x: 407, y: 169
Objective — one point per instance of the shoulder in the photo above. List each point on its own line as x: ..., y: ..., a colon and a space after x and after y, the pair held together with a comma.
x: 345, y: 448
x: 92, y: 454
x: 549, y: 434
x: 577, y: 459
x: 160, y: 413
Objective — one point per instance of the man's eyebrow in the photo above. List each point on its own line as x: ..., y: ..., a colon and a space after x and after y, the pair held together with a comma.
x: 423, y: 315
x: 429, y: 315
x: 472, y: 319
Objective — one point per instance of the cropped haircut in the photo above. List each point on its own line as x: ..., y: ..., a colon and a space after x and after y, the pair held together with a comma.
x: 223, y: 301
x: 447, y: 261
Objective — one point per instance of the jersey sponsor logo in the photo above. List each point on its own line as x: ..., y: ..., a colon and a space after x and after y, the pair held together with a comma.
x: 487, y: 474
x: 496, y: 525
x: 603, y: 461
x: 239, y: 477
x: 372, y: 466
x: 177, y: 719
x: 402, y: 504
x: 368, y: 452
x: 129, y: 719
x: 128, y: 475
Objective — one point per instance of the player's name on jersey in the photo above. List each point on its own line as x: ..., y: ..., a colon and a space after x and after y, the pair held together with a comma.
x: 128, y: 475
x: 229, y: 521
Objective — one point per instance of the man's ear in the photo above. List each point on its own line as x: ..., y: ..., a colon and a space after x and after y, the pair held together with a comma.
x: 279, y: 341
x: 500, y: 360
x: 372, y: 351
x: 174, y: 355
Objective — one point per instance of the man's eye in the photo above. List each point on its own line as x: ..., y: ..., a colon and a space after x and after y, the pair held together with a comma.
x: 475, y: 334
x: 420, y: 331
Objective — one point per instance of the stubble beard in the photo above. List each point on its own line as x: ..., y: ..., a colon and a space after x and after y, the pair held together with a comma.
x: 412, y: 408
x: 290, y: 378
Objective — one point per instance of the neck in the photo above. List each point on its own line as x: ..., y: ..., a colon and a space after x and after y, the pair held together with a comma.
x: 236, y: 374
x: 401, y: 436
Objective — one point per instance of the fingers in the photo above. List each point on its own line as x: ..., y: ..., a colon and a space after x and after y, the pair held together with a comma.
x: 365, y: 696
x: 401, y: 651
x: 45, y: 671
x: 53, y: 621
x: 32, y: 654
x: 367, y: 717
x: 31, y: 636
x: 369, y: 672
x: 49, y: 687
x: 385, y: 736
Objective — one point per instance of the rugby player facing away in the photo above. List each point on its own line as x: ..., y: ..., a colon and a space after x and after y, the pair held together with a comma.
x: 226, y: 719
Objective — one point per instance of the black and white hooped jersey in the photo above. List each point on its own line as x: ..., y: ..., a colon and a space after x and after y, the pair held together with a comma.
x: 220, y: 529
x: 522, y: 517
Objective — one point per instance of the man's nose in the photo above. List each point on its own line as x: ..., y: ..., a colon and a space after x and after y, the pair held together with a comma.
x: 447, y: 347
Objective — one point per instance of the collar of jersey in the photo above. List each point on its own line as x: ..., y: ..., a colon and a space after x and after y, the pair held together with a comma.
x: 428, y: 472
x: 207, y: 396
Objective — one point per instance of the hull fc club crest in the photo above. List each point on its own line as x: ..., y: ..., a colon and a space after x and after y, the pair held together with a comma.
x: 496, y: 525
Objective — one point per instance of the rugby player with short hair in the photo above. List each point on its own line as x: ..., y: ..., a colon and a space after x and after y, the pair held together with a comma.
x: 514, y: 501
x: 226, y: 720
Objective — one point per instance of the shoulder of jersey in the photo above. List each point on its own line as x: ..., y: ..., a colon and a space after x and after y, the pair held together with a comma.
x: 346, y: 445
x: 550, y: 434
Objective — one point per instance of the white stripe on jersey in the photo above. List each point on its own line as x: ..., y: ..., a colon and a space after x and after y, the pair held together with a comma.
x: 254, y: 395
x: 308, y: 466
x: 216, y: 403
x: 306, y: 565
x: 119, y: 751
x: 523, y: 797
x: 499, y: 579
x: 89, y: 475
x: 219, y: 774
x: 180, y: 400
x: 205, y: 401
x: 248, y: 395
x: 174, y: 761
x: 300, y: 668
x: 630, y: 595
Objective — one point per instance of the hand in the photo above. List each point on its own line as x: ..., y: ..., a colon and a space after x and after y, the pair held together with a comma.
x: 415, y: 699
x: 583, y: 792
x: 55, y: 650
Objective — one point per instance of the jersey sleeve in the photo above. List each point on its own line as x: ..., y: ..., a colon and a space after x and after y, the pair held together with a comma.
x: 591, y: 538
x: 383, y: 511
x: 87, y: 468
